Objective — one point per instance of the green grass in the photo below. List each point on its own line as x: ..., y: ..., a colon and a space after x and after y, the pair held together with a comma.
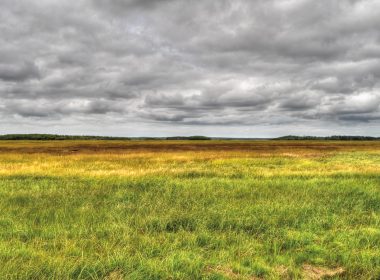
x: 189, y: 215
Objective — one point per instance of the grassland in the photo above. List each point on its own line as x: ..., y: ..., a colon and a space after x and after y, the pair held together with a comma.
x: 189, y: 210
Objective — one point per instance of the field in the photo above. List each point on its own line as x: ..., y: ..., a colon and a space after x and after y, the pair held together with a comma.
x: 189, y: 210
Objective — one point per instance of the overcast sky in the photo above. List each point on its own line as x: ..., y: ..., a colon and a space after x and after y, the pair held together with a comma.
x: 178, y: 67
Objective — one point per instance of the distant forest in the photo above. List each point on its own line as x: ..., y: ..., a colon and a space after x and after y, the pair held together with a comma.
x: 87, y: 137
x: 56, y: 137
x: 84, y: 137
x: 334, y: 137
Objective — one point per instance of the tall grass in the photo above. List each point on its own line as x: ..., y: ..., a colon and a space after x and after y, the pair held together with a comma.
x: 222, y: 213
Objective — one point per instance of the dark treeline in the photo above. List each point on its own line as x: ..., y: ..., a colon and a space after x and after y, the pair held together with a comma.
x: 188, y: 138
x: 334, y: 137
x: 86, y: 137
x: 57, y: 137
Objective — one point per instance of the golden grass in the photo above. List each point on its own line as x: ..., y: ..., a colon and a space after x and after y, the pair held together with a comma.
x: 189, y: 209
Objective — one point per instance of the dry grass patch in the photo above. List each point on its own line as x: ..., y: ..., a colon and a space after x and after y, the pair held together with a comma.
x: 115, y: 275
x: 230, y: 273
x: 314, y: 272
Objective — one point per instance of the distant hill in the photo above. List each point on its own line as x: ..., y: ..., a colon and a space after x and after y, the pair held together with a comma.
x: 334, y: 137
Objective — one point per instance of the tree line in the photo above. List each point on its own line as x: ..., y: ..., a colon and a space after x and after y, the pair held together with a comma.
x: 334, y: 137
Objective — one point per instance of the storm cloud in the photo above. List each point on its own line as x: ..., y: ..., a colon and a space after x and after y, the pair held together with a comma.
x: 152, y: 68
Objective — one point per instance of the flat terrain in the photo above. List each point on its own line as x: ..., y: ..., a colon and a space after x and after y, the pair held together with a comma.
x: 189, y: 210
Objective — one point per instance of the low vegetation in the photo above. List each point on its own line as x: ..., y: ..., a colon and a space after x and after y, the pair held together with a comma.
x: 97, y: 209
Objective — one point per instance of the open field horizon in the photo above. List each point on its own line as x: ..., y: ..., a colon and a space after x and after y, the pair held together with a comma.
x: 190, y: 209
x: 186, y: 140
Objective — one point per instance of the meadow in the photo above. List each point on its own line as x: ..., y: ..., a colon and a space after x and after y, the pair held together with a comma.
x: 189, y: 210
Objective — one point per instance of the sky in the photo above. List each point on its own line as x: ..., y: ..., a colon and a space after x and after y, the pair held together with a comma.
x: 238, y: 68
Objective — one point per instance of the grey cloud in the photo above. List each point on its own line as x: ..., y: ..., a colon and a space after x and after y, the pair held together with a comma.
x: 194, y: 63
x: 47, y: 108
x: 165, y: 100
x: 358, y: 104
x: 19, y: 72
x: 301, y: 101
x: 122, y: 5
x: 363, y: 118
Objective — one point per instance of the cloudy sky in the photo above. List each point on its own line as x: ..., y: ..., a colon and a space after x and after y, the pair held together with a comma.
x: 243, y: 68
